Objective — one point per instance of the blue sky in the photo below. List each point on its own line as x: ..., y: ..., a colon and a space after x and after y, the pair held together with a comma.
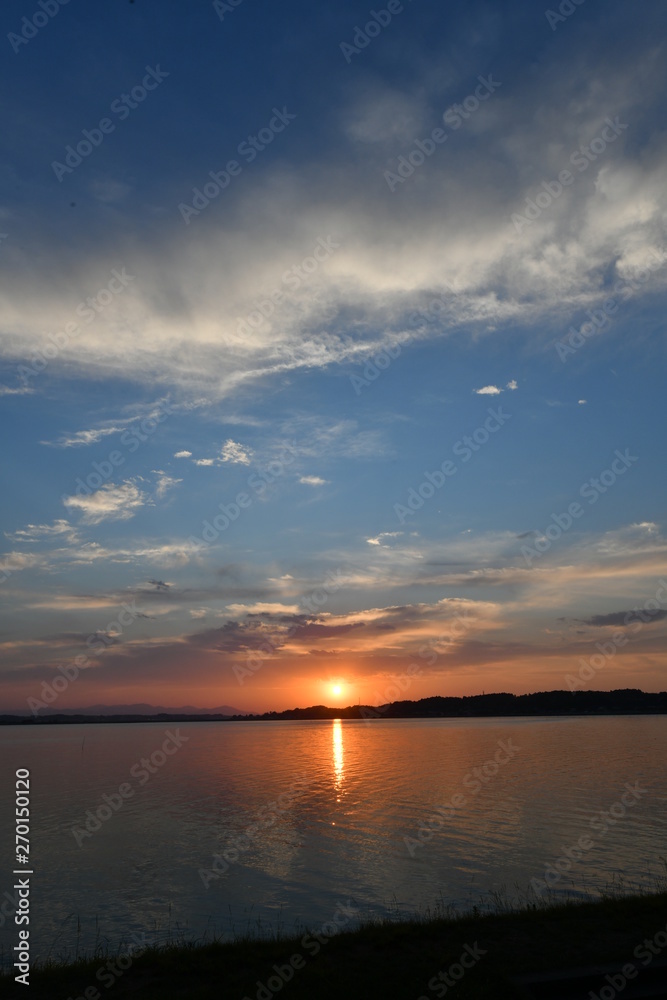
x: 431, y: 227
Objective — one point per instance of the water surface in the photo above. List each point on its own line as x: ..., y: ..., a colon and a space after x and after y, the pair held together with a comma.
x: 354, y: 798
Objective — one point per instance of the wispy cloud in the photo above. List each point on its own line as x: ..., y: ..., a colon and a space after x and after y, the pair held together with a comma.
x: 36, y: 532
x: 21, y: 390
x: 84, y: 438
x: 165, y: 482
x: 110, y: 503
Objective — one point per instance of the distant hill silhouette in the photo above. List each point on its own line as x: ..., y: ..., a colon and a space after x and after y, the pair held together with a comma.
x: 137, y: 709
x: 626, y: 701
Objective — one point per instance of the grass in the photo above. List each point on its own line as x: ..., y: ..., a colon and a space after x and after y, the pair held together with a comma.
x: 382, y: 959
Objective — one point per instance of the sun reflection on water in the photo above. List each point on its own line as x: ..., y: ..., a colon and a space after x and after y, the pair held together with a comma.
x: 338, y: 756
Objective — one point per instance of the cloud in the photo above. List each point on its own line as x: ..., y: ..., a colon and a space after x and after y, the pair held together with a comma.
x: 263, y: 608
x: 204, y: 461
x: 513, y: 384
x: 84, y: 438
x: 383, y: 534
x: 234, y: 452
x: 110, y: 503
x: 165, y: 482
x: 319, y: 436
x: 390, y: 262
x: 313, y: 480
x: 623, y: 618
x: 582, y: 402
x: 11, y: 562
x: 182, y: 454
x: 488, y: 390
x: 35, y: 532
x: 23, y: 390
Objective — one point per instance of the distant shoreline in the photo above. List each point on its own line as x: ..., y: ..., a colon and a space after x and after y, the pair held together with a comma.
x: 541, y: 704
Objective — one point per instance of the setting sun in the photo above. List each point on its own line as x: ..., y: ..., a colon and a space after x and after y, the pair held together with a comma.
x: 337, y: 689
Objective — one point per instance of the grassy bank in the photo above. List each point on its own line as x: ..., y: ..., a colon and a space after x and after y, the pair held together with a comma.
x: 383, y: 960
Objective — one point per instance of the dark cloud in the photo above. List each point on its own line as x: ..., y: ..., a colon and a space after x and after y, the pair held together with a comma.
x: 624, y: 617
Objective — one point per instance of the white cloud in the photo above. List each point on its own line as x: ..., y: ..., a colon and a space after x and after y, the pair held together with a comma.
x: 33, y: 532
x: 234, y: 452
x: 82, y: 438
x: 182, y: 454
x: 110, y: 503
x: 204, y: 461
x: 313, y: 480
x: 23, y: 390
x: 383, y: 534
x: 488, y: 390
x: 582, y: 402
x: 165, y: 482
x: 513, y: 384
x: 179, y: 325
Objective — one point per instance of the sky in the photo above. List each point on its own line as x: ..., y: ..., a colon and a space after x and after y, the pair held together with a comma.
x: 331, y: 351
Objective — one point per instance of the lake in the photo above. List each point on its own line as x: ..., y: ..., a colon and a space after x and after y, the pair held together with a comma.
x: 214, y: 828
